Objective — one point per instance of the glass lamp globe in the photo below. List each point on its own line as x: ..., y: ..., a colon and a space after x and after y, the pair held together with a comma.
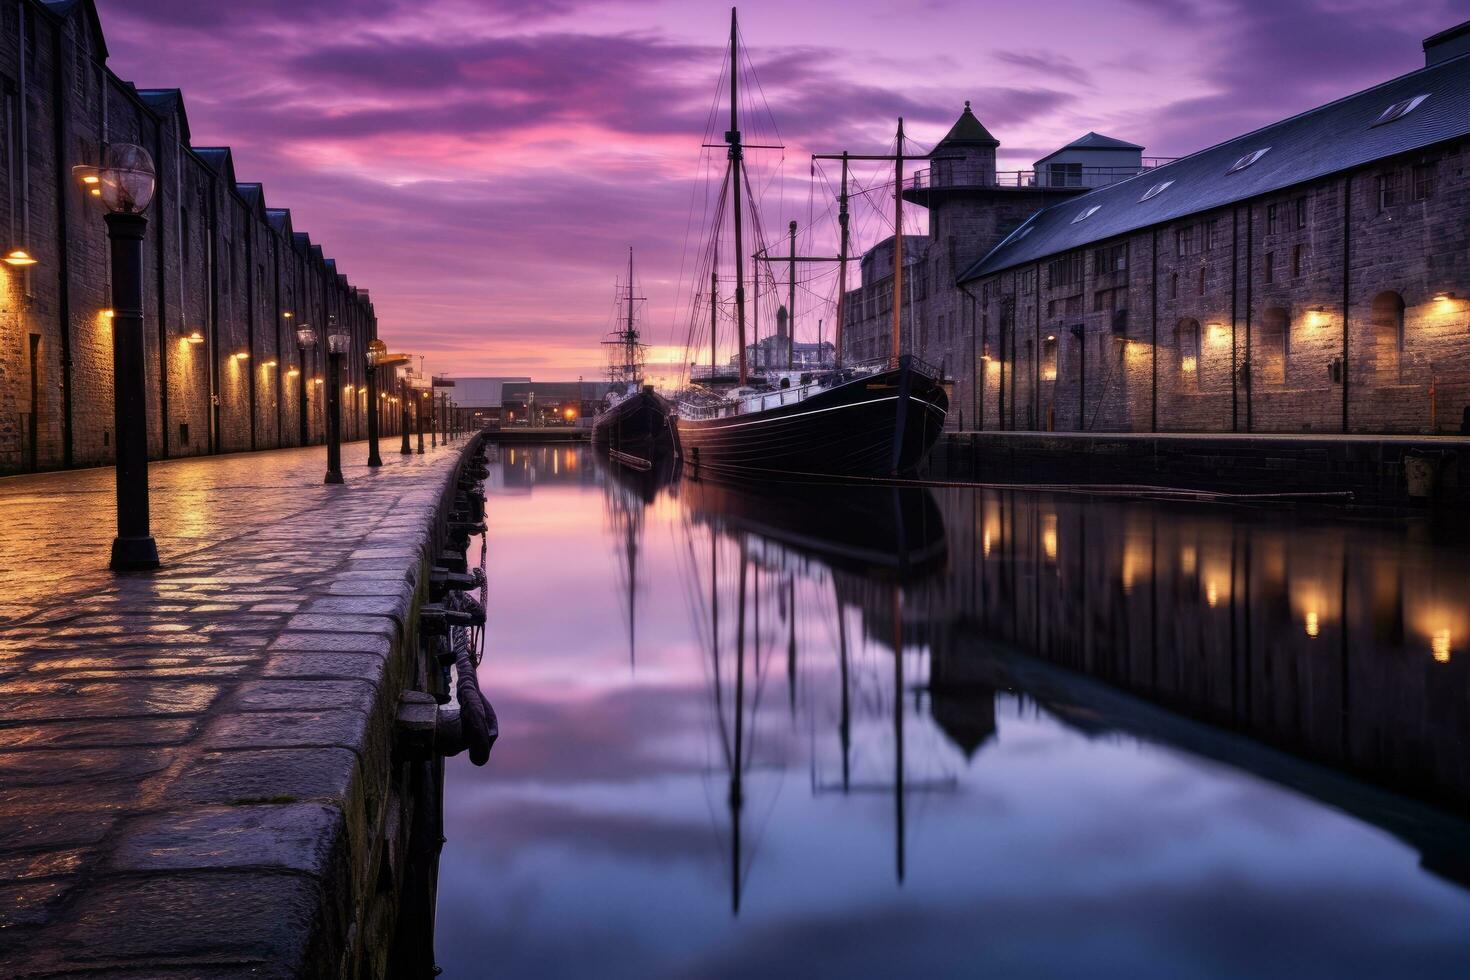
x: 339, y: 343
x: 126, y: 179
x: 306, y: 336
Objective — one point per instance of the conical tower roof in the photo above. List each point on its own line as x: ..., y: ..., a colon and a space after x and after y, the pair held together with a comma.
x: 968, y: 131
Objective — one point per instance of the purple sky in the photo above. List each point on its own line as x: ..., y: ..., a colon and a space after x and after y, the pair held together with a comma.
x: 482, y: 165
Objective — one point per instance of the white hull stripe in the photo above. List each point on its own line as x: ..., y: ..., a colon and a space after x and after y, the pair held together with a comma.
x: 699, y: 424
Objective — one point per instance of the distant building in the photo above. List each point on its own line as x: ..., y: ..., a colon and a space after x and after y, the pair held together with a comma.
x: 1313, y: 275
x: 777, y: 352
x: 552, y: 402
x: 479, y: 400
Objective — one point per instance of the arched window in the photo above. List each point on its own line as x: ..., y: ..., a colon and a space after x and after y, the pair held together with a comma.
x: 1186, y: 339
x: 1272, y: 346
x: 1388, y: 337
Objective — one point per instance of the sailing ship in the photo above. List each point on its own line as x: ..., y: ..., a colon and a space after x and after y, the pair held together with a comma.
x: 874, y: 419
x: 634, y: 425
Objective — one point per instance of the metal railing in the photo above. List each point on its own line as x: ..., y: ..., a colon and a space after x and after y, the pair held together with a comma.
x: 976, y: 176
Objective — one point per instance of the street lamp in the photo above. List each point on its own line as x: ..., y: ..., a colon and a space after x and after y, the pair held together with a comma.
x: 305, y: 341
x: 126, y: 181
x: 406, y: 449
x: 375, y: 349
x: 418, y: 413
x: 338, y: 343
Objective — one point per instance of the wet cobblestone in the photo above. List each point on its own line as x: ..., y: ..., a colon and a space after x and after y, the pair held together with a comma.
x: 178, y: 749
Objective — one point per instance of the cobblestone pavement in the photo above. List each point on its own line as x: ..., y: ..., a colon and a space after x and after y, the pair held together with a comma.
x: 176, y: 747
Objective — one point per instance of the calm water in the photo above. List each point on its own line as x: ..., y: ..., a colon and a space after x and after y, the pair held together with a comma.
x: 1119, y: 738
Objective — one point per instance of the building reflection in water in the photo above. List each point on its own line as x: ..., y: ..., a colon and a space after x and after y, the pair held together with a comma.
x: 744, y: 714
x: 1335, y: 649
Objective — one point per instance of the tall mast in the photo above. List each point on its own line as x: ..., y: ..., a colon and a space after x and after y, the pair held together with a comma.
x: 737, y: 169
x: 898, y: 246
x: 791, y: 303
x: 630, y: 339
x: 841, y: 262
x: 714, y: 310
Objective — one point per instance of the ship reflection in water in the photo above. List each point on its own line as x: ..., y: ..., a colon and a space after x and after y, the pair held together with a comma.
x: 1117, y: 738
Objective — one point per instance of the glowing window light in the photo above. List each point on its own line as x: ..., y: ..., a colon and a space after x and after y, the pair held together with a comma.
x: 1313, y: 627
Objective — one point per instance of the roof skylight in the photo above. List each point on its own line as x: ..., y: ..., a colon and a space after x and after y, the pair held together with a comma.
x: 1156, y: 190
x: 1247, y: 160
x: 1089, y: 212
x: 1400, y: 109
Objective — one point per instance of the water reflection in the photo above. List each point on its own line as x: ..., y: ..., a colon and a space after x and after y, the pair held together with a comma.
x: 806, y: 731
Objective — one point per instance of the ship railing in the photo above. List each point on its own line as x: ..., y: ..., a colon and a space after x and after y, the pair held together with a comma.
x: 885, y: 362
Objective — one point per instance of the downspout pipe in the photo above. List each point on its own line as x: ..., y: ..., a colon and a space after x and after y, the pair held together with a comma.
x: 63, y: 228
x: 975, y: 380
x: 1347, y: 215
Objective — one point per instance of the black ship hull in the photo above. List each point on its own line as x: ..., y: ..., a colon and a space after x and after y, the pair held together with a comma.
x: 639, y: 426
x: 879, y: 425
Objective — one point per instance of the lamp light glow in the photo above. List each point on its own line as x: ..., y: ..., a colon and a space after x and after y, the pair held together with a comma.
x: 126, y: 179
x: 19, y: 257
x: 195, y: 337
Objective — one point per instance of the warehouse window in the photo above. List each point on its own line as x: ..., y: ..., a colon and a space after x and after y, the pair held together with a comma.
x: 1273, y: 346
x: 1388, y: 190
x: 1298, y: 260
x: 1187, y: 342
x: 1424, y: 181
x: 1388, y: 336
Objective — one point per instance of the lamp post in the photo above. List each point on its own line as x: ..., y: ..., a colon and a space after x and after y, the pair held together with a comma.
x: 406, y: 450
x: 376, y: 349
x: 338, y: 344
x: 418, y: 415
x: 305, y: 341
x: 433, y: 419
x: 126, y: 180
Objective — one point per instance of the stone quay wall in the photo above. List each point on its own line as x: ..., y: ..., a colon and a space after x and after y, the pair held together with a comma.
x: 1374, y: 470
x: 220, y: 266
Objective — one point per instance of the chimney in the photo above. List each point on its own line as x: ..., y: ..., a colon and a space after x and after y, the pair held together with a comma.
x: 1447, y: 44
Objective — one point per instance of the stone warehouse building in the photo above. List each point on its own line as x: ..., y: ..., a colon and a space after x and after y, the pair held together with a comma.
x: 228, y: 278
x: 1311, y: 276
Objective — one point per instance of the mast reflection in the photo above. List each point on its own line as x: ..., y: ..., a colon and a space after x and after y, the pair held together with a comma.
x: 1260, y: 640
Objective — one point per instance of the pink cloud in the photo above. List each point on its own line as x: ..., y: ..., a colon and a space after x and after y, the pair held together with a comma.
x: 482, y: 167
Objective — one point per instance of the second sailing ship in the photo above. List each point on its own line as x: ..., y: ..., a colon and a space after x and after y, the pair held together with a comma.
x: 634, y: 425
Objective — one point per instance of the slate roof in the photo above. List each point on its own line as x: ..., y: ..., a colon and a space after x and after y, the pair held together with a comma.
x: 967, y: 131
x: 1093, y: 141
x: 1330, y: 139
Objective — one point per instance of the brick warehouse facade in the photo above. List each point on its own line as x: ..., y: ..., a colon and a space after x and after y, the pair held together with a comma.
x: 1322, y: 285
x: 227, y: 278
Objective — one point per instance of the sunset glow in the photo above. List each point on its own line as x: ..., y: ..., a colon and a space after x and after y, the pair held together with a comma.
x: 511, y: 151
